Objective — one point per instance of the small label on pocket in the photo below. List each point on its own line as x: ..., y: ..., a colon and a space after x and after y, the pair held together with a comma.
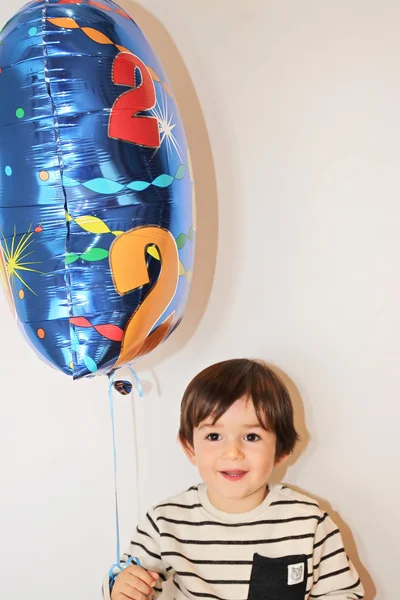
x: 295, y: 573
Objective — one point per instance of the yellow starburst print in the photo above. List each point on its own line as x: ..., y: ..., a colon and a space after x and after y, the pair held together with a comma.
x: 15, y: 256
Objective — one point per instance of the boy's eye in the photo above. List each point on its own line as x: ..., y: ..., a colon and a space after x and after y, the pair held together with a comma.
x: 213, y: 437
x: 252, y: 437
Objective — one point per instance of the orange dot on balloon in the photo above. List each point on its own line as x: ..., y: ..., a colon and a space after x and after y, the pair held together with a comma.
x: 21, y: 294
x: 44, y: 175
x: 41, y: 333
x: 38, y: 229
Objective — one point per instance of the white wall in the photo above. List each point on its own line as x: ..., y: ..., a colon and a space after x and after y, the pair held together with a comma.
x: 293, y: 114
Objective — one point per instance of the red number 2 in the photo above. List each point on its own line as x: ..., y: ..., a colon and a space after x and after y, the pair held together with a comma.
x: 125, y: 123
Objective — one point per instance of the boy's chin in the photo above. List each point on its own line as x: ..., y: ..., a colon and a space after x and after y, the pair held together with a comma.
x: 240, y: 492
x: 233, y: 491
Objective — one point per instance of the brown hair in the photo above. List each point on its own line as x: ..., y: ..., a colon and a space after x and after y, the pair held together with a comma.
x: 217, y: 387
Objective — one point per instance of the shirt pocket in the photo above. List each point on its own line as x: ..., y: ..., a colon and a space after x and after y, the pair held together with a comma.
x: 283, y: 578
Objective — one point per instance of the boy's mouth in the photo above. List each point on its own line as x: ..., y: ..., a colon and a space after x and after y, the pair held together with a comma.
x: 233, y: 475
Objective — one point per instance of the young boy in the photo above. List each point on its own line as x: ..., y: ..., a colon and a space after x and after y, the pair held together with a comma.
x: 235, y: 536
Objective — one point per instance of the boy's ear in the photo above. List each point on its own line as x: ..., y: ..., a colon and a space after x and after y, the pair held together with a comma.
x: 281, y: 460
x: 188, y: 450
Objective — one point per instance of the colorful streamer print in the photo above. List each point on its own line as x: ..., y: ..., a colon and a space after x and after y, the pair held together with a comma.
x: 97, y: 202
x: 100, y: 38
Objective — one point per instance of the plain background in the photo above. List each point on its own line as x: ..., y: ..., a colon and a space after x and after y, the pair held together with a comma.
x: 292, y: 110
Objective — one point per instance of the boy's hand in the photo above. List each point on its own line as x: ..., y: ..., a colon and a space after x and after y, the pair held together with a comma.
x: 134, y: 583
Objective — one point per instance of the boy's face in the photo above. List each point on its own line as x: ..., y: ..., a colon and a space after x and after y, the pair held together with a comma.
x: 235, y: 457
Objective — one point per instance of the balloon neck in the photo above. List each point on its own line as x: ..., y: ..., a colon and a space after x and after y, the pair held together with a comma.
x: 123, y: 386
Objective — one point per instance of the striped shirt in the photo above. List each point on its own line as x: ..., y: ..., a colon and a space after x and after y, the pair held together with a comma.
x: 286, y: 548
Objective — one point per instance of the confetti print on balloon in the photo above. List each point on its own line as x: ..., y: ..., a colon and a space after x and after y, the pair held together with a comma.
x: 91, y: 255
x: 101, y: 185
x: 92, y: 224
x: 108, y: 330
x: 97, y: 226
x: 87, y: 360
x: 183, y: 238
x: 97, y: 5
x: 100, y: 38
x: 74, y: 341
x: 189, y: 159
x: 44, y: 175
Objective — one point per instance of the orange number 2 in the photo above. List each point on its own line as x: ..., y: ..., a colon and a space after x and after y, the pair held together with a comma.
x: 133, y: 245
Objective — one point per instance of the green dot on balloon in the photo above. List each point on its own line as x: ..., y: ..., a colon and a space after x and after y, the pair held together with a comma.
x: 8, y: 170
x: 32, y: 31
x: 20, y: 113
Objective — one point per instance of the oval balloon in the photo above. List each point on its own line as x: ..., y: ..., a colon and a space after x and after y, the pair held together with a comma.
x: 96, y: 190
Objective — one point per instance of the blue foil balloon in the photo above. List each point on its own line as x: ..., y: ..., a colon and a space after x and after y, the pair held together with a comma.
x: 96, y: 192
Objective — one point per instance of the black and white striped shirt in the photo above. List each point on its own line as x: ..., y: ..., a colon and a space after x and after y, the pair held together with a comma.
x: 287, y: 548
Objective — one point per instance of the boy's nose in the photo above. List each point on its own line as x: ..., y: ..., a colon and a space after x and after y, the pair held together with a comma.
x: 233, y: 451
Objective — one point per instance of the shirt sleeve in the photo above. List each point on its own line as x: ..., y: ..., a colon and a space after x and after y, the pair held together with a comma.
x: 334, y: 575
x: 145, y: 546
